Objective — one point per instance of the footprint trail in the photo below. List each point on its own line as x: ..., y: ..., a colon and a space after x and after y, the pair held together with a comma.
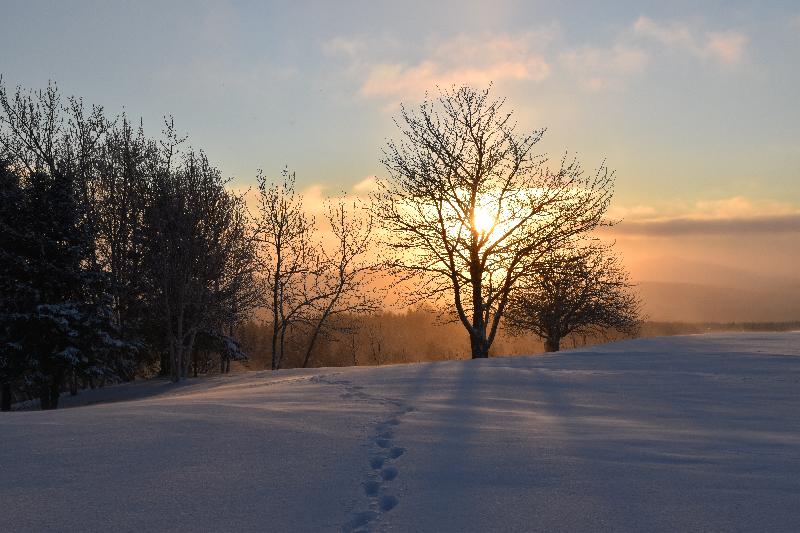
x: 382, y: 461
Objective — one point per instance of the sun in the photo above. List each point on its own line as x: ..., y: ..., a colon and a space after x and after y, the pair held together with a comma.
x: 482, y: 221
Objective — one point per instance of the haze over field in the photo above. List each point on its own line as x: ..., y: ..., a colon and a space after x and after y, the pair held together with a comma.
x: 694, y: 105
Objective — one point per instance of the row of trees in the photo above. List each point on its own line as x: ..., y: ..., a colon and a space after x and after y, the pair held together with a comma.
x: 116, y: 248
x: 124, y: 255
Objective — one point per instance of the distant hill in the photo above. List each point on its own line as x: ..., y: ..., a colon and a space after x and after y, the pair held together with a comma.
x: 695, y: 302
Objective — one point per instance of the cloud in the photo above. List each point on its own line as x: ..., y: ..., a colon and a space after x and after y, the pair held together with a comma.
x: 601, y: 68
x: 673, y: 34
x: 366, y: 185
x: 740, y: 206
x: 724, y: 216
x: 471, y: 60
x: 314, y: 199
x: 401, y: 80
x: 342, y: 46
x: 719, y: 226
x: 636, y: 211
x: 726, y: 47
x: 394, y: 70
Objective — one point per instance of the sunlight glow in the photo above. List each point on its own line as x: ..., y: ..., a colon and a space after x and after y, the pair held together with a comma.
x: 483, y: 222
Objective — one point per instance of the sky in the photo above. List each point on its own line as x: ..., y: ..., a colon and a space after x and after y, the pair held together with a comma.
x: 694, y: 104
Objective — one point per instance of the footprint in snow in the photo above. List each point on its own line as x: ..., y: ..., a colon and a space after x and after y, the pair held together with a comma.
x: 388, y: 473
x: 396, y: 452
x: 388, y: 502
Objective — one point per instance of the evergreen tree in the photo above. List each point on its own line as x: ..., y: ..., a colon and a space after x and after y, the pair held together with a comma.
x: 16, y: 290
x: 60, y: 322
x: 56, y: 316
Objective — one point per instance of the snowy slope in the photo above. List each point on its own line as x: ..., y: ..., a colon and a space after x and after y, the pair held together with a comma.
x: 670, y: 434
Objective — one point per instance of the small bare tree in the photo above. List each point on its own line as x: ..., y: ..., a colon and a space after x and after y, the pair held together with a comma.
x: 288, y: 256
x: 341, y: 283
x: 309, y: 284
x: 469, y: 208
x: 579, y: 291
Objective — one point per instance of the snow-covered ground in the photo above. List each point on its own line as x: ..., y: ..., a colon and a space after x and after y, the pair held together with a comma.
x: 698, y: 433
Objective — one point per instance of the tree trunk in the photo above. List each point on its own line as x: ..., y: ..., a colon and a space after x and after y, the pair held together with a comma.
x: 184, y: 363
x: 73, y: 384
x: 276, y: 310
x: 311, y: 344
x: 187, y: 349
x: 49, y: 393
x: 44, y: 397
x: 163, y: 368
x: 275, y: 344
x: 552, y: 344
x: 5, y: 397
x: 175, y: 362
x: 479, y: 346
x: 55, y: 392
x: 282, y: 344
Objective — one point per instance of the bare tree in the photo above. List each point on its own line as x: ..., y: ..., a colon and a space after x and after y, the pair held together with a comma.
x: 200, y: 254
x: 235, y: 293
x: 288, y: 256
x: 579, y: 291
x: 340, y: 284
x: 469, y: 208
x: 119, y: 193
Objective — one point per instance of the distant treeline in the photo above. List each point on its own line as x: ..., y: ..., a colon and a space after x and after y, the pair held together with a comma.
x: 394, y: 338
x: 657, y: 329
x: 420, y: 335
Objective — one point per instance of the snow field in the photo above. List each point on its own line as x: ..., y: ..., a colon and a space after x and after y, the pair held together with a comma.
x: 670, y: 434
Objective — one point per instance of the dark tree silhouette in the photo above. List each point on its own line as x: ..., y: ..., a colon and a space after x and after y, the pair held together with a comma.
x: 469, y: 208
x: 583, y: 291
x: 15, y: 287
x: 125, y: 165
x: 341, y: 281
x: 308, y: 283
x: 200, y: 253
x: 56, y: 312
x: 114, y: 248
x: 288, y: 256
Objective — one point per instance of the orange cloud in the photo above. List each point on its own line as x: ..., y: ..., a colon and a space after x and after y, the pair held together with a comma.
x: 728, y: 47
x: 462, y: 60
x: 366, y: 185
